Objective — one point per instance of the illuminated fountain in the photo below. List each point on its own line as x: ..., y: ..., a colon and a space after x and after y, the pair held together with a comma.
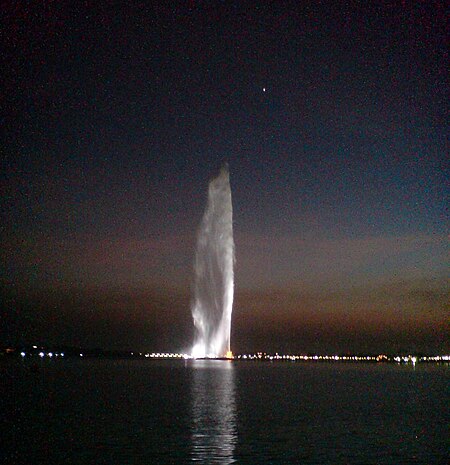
x: 214, y: 279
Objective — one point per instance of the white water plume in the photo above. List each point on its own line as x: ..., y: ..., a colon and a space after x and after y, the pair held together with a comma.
x: 214, y: 277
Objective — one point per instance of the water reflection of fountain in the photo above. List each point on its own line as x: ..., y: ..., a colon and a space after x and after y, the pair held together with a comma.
x: 214, y: 431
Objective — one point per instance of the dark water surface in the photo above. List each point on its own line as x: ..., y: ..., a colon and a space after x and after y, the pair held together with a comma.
x: 176, y: 412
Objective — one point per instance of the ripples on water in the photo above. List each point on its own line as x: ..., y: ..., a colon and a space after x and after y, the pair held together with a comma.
x: 214, y: 431
x: 218, y: 412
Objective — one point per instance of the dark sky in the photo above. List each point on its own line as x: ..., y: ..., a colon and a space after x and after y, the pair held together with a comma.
x: 117, y: 114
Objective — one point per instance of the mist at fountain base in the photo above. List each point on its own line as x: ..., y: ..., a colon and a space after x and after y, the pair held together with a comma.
x: 199, y: 353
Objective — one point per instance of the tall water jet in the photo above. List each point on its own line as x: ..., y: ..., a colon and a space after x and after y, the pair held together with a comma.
x: 214, y: 277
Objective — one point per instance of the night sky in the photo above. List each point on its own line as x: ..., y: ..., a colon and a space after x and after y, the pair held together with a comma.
x: 117, y: 114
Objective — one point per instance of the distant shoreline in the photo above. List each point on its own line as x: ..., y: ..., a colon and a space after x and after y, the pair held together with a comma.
x: 60, y: 352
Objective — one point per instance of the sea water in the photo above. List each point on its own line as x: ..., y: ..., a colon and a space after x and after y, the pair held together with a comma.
x: 179, y: 412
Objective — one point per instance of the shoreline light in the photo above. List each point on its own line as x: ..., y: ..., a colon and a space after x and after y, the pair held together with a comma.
x: 409, y: 359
